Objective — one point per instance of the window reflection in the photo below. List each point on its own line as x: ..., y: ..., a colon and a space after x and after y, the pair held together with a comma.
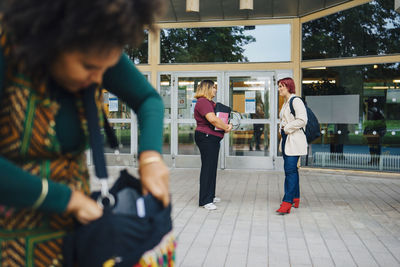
x: 186, y: 143
x: 165, y: 92
x: 114, y: 108
x: 166, y: 149
x: 250, y: 96
x: 187, y: 87
x: 139, y: 55
x: 359, y: 112
x: 352, y: 33
x: 279, y: 153
x: 250, y: 140
x: 123, y: 134
x: 226, y: 44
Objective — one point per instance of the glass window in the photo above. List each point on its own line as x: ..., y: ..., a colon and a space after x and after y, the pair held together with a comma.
x: 279, y: 153
x: 139, y: 55
x: 250, y: 96
x: 165, y: 92
x: 166, y: 149
x: 250, y: 140
x: 358, y: 108
x: 123, y: 133
x: 187, y: 87
x: 114, y: 108
x: 186, y: 143
x: 259, y: 43
x: 369, y: 29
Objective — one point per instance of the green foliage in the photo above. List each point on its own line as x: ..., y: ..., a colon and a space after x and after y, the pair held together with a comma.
x: 393, y: 124
x: 374, y: 124
x: 388, y: 140
x: 139, y: 55
x: 224, y: 44
x: 369, y: 29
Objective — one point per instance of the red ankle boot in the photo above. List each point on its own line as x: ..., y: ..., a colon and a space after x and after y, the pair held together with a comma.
x: 296, y: 202
x: 285, y: 208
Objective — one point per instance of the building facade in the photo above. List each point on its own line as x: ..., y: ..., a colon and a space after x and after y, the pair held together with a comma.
x: 344, y: 58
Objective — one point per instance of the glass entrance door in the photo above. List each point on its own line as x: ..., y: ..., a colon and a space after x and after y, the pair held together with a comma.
x: 252, y: 145
x: 184, y: 150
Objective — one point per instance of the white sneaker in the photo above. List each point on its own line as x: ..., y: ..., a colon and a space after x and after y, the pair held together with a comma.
x: 210, y: 206
x: 216, y: 200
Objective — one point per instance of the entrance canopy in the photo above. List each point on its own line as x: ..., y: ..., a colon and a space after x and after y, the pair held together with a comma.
x: 229, y: 9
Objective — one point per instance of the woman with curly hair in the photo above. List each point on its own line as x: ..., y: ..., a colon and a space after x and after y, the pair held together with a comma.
x: 50, y: 52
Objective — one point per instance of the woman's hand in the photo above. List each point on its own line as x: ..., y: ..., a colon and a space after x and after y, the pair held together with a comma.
x: 230, y: 126
x: 83, y: 207
x: 154, y: 176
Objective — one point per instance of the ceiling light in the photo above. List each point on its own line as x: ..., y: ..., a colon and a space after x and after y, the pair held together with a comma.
x: 185, y: 83
x: 317, y: 81
x: 246, y: 4
x: 254, y: 82
x: 380, y: 87
x: 192, y: 5
x: 317, y: 68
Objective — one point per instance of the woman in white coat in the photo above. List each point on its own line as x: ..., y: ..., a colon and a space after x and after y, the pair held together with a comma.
x: 293, y: 143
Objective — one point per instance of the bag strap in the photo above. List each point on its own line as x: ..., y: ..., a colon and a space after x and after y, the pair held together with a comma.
x: 111, y: 137
x: 293, y: 111
x: 291, y: 105
x: 152, y: 205
x: 95, y: 138
x: 96, y: 144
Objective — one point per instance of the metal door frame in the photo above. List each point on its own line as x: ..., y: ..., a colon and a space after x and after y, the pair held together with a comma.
x: 254, y: 162
x: 189, y: 161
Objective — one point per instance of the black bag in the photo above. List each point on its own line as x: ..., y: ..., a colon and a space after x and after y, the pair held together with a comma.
x: 223, y: 112
x: 312, y: 130
x: 132, y: 224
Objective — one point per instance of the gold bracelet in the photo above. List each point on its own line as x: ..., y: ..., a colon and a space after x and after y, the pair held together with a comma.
x: 43, y: 194
x: 149, y: 160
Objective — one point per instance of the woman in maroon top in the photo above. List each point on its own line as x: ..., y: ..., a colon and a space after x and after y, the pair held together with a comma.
x: 208, y: 141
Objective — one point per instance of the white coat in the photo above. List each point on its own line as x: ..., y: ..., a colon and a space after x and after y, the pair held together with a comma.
x: 296, y: 142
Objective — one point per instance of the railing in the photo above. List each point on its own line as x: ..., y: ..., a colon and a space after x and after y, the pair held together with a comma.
x: 356, y: 161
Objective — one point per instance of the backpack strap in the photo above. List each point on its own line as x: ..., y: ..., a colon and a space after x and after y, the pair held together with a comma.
x: 292, y: 109
x: 291, y: 105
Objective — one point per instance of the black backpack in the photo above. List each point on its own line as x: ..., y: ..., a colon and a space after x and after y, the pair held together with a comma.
x: 312, y: 131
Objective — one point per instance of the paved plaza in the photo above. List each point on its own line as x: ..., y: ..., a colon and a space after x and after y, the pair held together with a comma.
x: 344, y: 219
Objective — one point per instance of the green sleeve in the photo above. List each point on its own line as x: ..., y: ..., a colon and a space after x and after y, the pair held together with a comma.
x: 128, y: 83
x: 19, y: 188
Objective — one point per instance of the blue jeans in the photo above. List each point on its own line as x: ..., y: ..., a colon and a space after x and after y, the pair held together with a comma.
x: 292, y: 187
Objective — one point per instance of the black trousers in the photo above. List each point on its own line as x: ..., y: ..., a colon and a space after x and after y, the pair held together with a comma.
x: 209, y: 149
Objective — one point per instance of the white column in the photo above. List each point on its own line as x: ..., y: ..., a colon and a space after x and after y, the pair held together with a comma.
x: 397, y: 5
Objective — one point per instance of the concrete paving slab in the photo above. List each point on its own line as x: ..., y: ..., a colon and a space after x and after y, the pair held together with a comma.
x: 345, y: 219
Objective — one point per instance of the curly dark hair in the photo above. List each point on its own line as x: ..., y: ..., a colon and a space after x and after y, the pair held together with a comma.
x: 40, y: 30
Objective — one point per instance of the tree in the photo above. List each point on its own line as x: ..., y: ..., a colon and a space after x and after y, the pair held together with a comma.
x: 139, y: 55
x: 218, y: 44
x: 370, y: 29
